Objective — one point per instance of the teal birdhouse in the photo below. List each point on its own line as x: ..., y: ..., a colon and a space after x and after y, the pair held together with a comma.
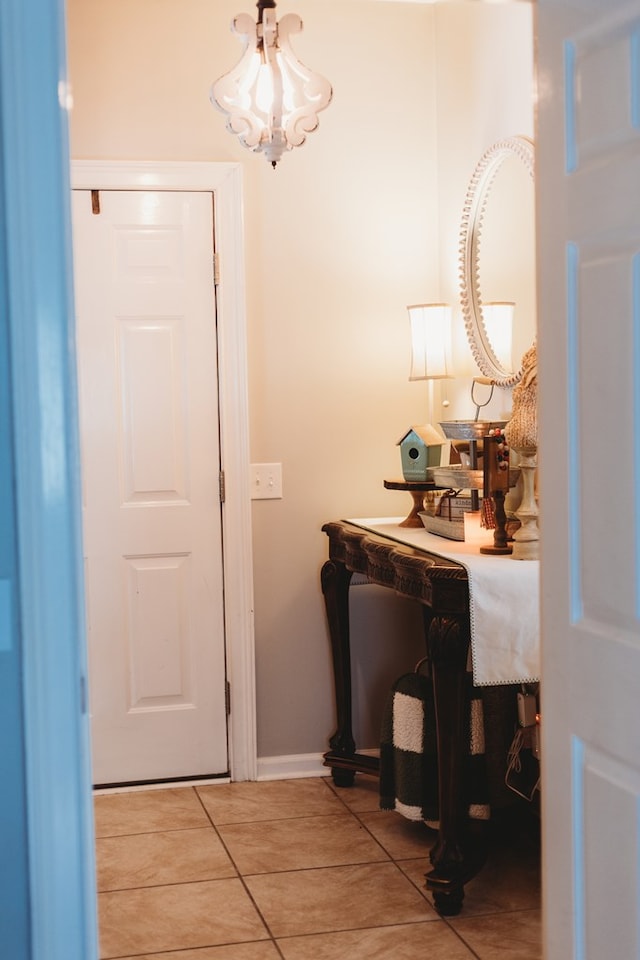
x: 420, y: 448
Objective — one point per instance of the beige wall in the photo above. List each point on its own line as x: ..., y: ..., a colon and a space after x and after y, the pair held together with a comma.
x: 485, y: 92
x: 349, y: 229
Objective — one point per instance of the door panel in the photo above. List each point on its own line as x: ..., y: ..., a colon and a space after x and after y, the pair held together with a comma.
x: 150, y: 452
x: 155, y: 425
x: 589, y: 254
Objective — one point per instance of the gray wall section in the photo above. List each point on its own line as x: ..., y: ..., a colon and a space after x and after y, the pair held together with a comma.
x: 387, y: 640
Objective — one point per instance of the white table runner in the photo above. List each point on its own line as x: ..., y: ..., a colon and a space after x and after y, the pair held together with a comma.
x: 503, y: 599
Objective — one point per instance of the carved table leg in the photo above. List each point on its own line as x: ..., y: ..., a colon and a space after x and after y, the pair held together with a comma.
x: 457, y: 855
x: 335, y: 579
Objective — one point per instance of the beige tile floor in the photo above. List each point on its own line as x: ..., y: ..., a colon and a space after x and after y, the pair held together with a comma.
x: 297, y: 870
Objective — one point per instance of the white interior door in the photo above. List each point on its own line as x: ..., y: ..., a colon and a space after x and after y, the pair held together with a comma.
x: 145, y: 302
x: 588, y: 152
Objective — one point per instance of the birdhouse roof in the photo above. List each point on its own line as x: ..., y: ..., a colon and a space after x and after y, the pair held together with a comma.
x: 425, y: 432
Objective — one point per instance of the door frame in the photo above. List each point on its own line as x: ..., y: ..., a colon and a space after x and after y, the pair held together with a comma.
x: 225, y: 182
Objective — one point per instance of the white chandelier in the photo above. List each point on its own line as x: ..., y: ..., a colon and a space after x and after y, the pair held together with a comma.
x: 271, y: 100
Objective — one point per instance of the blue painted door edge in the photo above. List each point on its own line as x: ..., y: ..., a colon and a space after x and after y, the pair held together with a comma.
x: 35, y: 189
x: 15, y: 930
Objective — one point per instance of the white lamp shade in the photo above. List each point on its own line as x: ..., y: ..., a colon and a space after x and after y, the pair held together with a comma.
x: 498, y: 323
x: 430, y: 341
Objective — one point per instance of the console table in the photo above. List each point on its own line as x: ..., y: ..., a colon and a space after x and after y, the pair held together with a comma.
x: 441, y: 585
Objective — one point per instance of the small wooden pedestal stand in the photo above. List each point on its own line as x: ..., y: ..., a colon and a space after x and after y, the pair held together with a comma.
x: 417, y: 489
x: 496, y: 486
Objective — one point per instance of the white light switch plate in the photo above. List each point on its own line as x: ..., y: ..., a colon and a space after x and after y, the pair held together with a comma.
x: 266, y: 481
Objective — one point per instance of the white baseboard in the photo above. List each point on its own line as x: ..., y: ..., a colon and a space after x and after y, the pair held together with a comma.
x: 296, y: 765
x: 292, y: 766
x: 288, y: 767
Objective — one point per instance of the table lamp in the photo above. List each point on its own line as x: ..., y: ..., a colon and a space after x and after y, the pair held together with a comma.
x: 430, y: 345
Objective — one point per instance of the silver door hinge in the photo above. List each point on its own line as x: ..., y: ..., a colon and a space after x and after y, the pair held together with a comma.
x: 221, y: 486
x: 216, y: 269
x: 227, y: 697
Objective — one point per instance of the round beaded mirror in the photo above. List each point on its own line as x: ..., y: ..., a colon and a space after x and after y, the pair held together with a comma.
x: 490, y: 246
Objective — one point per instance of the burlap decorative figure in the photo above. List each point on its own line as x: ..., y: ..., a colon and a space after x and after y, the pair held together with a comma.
x: 522, y: 435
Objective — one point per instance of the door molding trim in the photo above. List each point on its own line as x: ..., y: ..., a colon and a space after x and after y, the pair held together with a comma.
x: 224, y: 181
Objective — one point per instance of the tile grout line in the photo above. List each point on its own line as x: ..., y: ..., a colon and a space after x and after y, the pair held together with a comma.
x: 356, y: 817
x: 240, y: 875
x: 393, y: 859
x: 150, y: 833
x: 462, y: 940
x: 384, y: 845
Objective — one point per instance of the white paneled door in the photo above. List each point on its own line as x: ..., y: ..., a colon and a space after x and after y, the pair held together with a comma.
x: 588, y: 170
x: 146, y: 332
